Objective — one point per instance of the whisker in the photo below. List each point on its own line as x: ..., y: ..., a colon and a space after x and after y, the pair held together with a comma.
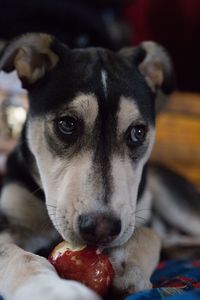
x: 36, y: 190
x: 137, y: 217
x: 51, y: 214
x: 50, y: 205
x: 143, y: 209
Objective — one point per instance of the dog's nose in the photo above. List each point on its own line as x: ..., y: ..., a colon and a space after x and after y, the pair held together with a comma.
x: 99, y: 228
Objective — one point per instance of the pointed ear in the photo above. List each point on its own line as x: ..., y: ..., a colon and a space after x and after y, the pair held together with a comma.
x: 154, y: 64
x: 30, y: 55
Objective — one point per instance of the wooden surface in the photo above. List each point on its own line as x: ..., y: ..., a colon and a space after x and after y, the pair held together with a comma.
x: 178, y: 136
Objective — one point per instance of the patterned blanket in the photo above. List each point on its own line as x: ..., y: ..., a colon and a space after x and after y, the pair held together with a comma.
x: 172, y: 280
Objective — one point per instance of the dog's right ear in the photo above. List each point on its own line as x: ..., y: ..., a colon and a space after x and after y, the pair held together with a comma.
x: 153, y: 62
x: 30, y: 55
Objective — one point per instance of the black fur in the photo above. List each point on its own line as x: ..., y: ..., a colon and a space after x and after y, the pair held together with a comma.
x: 19, y: 167
x: 143, y: 182
x: 79, y: 71
x: 4, y: 222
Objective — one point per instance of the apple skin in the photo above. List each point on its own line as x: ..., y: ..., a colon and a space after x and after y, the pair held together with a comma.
x: 86, y: 265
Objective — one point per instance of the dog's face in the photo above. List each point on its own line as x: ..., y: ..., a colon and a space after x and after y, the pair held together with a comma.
x: 91, y: 130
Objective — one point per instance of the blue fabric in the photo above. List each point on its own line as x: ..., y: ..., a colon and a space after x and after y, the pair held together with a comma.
x: 195, y: 295
x: 154, y: 294
x: 173, y: 280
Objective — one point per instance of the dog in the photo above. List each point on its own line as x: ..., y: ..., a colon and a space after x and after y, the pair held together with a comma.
x: 79, y: 172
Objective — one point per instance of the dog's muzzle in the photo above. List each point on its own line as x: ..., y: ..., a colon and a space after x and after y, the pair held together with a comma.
x: 99, y: 228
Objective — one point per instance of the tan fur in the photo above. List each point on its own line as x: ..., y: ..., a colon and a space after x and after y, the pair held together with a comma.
x: 85, y: 105
x: 26, y: 55
x: 154, y: 64
x: 135, y: 261
x: 128, y: 113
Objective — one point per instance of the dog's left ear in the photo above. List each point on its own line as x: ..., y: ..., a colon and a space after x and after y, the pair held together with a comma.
x: 30, y: 55
x: 154, y: 64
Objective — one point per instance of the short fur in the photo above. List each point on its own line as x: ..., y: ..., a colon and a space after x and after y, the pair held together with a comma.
x: 54, y: 181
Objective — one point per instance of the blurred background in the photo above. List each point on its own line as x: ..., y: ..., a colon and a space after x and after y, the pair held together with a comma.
x: 113, y: 24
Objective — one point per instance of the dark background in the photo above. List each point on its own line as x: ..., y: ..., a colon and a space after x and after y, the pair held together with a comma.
x: 113, y: 24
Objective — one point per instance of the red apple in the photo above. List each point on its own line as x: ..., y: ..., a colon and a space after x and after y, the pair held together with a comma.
x: 84, y: 264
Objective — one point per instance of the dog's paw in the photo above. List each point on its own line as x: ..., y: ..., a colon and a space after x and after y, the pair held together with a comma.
x: 132, y: 280
x: 44, y: 288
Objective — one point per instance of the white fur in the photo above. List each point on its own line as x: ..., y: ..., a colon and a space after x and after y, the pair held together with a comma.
x: 143, y: 210
x: 49, y: 287
x: 28, y: 276
x: 104, y: 82
x: 72, y: 188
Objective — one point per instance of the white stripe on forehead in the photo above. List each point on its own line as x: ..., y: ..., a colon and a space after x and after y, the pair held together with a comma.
x: 104, y: 77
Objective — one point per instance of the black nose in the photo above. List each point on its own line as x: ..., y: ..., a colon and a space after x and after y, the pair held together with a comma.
x: 99, y: 228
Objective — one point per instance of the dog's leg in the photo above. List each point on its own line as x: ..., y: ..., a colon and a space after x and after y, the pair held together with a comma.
x: 175, y: 200
x: 24, y: 275
x: 28, y: 276
x: 26, y: 217
x: 135, y: 261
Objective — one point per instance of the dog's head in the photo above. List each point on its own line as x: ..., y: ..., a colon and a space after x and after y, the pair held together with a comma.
x: 91, y: 129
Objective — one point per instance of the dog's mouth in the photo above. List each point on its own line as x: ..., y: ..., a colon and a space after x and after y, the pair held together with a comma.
x: 104, y: 241
x: 111, y: 241
x: 101, y: 229
x: 100, y: 242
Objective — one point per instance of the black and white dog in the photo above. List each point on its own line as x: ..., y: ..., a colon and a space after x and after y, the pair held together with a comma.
x: 79, y: 171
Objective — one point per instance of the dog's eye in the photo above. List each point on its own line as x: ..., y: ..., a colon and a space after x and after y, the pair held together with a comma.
x: 67, y: 125
x: 137, y: 135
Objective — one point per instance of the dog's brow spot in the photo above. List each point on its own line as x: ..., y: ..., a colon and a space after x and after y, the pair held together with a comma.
x: 86, y: 105
x: 104, y: 81
x: 128, y: 112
